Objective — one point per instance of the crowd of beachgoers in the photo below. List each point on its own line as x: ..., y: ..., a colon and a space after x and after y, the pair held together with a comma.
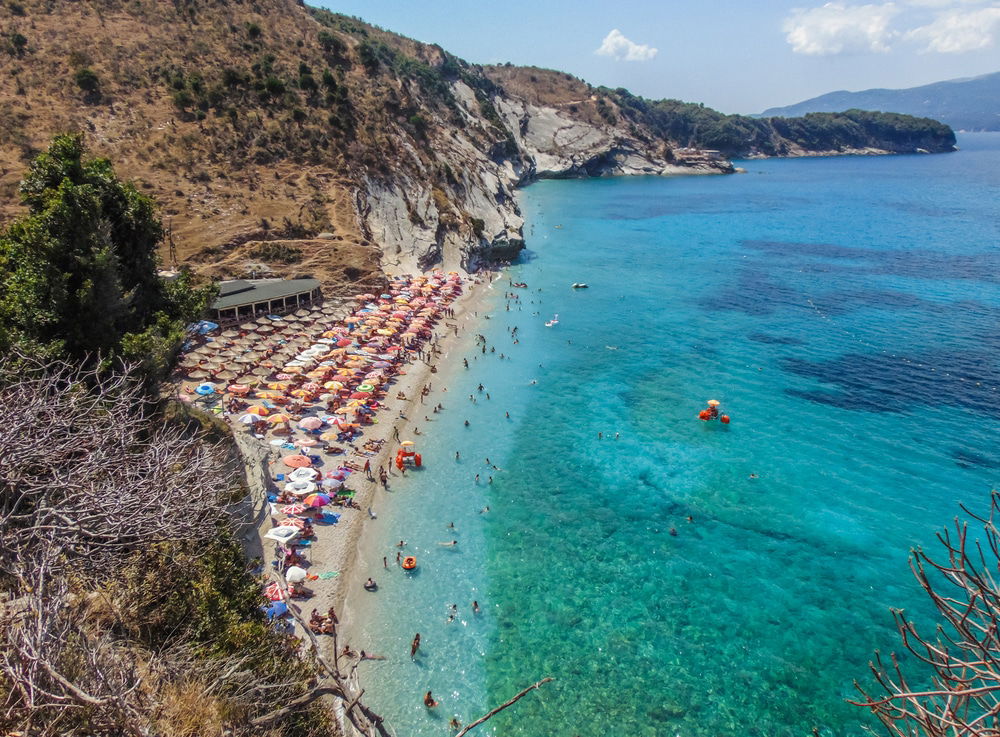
x: 310, y: 388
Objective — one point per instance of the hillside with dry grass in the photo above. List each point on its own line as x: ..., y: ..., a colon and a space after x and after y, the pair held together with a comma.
x: 257, y: 120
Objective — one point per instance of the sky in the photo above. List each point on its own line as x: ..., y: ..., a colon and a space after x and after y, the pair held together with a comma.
x: 738, y: 56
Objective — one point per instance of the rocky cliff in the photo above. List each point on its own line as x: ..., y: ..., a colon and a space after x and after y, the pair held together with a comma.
x: 252, y: 121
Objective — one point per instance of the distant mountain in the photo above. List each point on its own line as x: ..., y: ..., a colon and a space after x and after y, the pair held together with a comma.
x: 971, y: 104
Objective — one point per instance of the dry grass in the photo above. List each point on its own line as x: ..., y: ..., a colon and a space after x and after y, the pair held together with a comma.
x: 250, y: 165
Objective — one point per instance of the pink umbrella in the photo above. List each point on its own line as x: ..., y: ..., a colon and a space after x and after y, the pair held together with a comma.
x: 307, y: 442
x: 310, y: 423
x: 317, y: 500
x: 293, y: 509
x: 293, y: 522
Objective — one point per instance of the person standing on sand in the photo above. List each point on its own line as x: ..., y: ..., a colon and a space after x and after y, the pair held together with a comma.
x: 415, y: 645
x: 368, y: 469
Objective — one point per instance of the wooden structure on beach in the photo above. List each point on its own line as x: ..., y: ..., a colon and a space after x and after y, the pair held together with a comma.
x: 242, y: 298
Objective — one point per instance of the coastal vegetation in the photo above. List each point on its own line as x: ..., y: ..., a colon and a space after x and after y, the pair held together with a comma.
x: 78, y: 272
x: 129, y: 606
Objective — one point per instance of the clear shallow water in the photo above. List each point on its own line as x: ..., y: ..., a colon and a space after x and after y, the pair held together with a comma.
x: 845, y: 311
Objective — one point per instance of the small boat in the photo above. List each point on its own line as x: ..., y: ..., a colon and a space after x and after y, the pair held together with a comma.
x: 580, y: 285
x: 553, y: 321
x: 409, y: 563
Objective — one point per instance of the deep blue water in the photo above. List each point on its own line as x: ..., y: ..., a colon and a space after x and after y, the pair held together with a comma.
x: 845, y: 311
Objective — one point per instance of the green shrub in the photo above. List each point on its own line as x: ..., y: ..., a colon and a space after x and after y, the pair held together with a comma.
x: 86, y: 79
x: 253, y: 30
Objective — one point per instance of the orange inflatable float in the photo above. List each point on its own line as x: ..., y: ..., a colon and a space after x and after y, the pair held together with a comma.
x: 409, y: 563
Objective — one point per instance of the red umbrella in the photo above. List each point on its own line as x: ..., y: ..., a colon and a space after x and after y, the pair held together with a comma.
x: 273, y: 592
x: 361, y: 395
x: 317, y: 500
x: 293, y: 509
x: 343, y: 342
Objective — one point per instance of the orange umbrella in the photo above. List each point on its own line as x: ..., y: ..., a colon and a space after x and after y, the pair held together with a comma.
x: 269, y: 395
x: 258, y: 410
x: 278, y: 418
x: 301, y: 393
x: 297, y: 461
x: 278, y: 385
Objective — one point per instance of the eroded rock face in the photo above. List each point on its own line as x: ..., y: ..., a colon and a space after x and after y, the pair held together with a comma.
x: 479, y: 220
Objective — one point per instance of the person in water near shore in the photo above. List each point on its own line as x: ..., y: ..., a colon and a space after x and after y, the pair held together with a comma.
x: 401, y: 544
x: 449, y: 545
x: 455, y: 724
x: 429, y: 701
x: 475, y: 607
x: 415, y: 645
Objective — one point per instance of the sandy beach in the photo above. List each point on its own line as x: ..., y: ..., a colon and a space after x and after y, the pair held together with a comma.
x: 336, y: 547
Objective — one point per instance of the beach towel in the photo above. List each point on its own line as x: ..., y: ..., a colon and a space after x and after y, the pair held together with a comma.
x: 329, y: 574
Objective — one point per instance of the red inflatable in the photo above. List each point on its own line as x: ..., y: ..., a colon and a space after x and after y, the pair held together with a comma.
x: 724, y: 419
x: 704, y: 415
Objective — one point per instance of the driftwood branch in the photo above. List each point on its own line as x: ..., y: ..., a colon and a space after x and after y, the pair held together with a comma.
x: 958, y: 691
x: 466, y: 729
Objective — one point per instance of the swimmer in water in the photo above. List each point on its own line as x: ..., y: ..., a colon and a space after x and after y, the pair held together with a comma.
x: 452, y: 544
x: 429, y: 701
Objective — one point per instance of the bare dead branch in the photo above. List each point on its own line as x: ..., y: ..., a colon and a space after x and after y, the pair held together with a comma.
x: 493, y: 712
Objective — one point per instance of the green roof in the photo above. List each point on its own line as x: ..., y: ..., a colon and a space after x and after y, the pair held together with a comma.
x: 246, y: 291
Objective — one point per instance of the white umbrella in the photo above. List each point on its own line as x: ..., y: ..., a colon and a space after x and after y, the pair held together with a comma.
x: 295, y: 574
x: 282, y: 534
x: 303, y: 474
x: 251, y: 419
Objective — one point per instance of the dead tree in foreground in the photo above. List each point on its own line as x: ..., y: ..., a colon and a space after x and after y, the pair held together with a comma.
x: 953, y: 688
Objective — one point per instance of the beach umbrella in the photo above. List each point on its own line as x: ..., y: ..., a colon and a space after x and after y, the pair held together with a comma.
x: 300, y: 488
x: 226, y: 375
x: 237, y: 389
x: 360, y: 395
x: 307, y: 442
x: 407, y: 443
x: 198, y: 374
x: 273, y: 591
x: 714, y: 403
x: 310, y: 423
x: 297, y: 461
x: 250, y: 419
x: 333, y: 484
x: 316, y: 500
x: 329, y: 435
x: 281, y: 534
x: 293, y: 509
x: 277, y: 609
x: 293, y: 522
x: 303, y: 474
x: 269, y: 395
x: 295, y: 574
x: 335, y: 385
x: 264, y: 329
x: 311, y: 386
x: 279, y: 418
x: 258, y: 410
x: 302, y: 393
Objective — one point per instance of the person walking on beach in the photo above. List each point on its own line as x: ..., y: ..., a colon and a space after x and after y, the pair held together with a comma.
x: 368, y: 469
x: 415, y: 645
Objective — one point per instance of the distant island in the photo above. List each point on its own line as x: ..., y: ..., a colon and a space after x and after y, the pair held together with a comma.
x: 968, y: 104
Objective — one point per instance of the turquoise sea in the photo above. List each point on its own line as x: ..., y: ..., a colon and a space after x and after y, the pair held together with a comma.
x: 845, y: 311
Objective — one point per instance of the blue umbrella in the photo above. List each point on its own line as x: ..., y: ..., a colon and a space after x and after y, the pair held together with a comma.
x: 276, y: 610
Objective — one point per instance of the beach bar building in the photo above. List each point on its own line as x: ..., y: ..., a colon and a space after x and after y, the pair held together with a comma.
x: 241, y: 298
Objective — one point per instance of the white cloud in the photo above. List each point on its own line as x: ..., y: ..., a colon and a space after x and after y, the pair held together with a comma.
x: 836, y: 28
x: 620, y: 48
x: 958, y: 31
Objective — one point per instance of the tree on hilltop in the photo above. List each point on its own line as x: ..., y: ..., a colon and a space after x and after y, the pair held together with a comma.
x: 78, y: 272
